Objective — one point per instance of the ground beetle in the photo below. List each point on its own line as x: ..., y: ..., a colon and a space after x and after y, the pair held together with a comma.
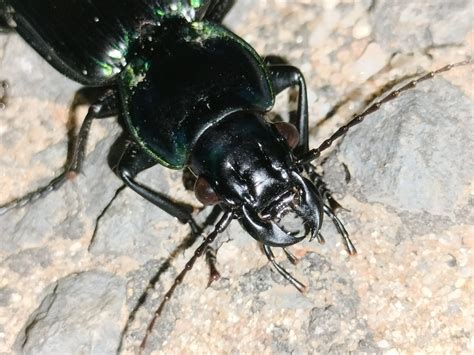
x: 190, y: 94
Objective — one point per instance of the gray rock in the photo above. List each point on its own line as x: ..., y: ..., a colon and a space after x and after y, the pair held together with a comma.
x: 58, y: 213
x: 408, y: 26
x: 359, y: 304
x: 127, y: 227
x: 5, y: 296
x: 404, y: 156
x: 337, y: 326
x: 79, y: 314
x: 27, y: 259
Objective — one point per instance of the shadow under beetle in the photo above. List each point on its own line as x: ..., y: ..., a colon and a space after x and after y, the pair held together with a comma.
x: 189, y: 94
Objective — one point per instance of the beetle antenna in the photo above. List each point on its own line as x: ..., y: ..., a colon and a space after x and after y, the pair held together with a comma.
x: 219, y: 228
x: 316, y: 153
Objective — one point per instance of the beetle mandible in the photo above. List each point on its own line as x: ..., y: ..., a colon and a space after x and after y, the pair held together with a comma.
x: 208, y: 116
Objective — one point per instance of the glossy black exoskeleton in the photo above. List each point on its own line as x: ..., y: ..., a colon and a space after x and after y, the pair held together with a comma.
x: 189, y: 94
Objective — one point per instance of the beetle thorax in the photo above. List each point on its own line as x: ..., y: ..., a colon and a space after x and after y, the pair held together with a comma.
x: 181, y: 81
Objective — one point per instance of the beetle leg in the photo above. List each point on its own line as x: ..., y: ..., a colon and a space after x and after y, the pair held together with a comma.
x: 330, y: 206
x: 322, y: 188
x: 341, y: 229
x: 283, y: 77
x: 127, y: 160
x: 287, y: 76
x: 289, y: 255
x: 219, y: 228
x: 268, y: 252
x: 104, y: 107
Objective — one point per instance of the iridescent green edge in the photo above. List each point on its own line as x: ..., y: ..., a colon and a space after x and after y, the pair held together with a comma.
x: 119, y: 51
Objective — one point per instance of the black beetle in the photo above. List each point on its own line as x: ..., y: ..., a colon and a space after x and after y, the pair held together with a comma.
x: 190, y: 94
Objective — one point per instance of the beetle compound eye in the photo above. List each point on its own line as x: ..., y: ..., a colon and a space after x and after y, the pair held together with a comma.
x: 289, y: 132
x: 204, y: 192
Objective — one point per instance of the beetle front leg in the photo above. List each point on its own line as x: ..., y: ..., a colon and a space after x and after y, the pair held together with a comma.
x: 104, y: 107
x: 286, y: 76
x: 127, y: 160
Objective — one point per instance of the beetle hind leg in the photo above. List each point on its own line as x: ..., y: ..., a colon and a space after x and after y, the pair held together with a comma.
x: 104, y: 107
x: 127, y: 160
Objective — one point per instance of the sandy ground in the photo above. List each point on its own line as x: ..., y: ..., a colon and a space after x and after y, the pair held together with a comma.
x: 409, y: 289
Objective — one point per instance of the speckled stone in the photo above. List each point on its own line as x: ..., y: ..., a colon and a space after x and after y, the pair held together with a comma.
x: 78, y: 314
x: 409, y: 204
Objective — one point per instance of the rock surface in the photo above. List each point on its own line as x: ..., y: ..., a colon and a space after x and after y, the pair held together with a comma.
x: 409, y: 202
x: 78, y: 314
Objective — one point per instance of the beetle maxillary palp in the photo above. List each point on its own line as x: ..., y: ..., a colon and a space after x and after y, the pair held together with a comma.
x: 290, y: 256
x: 298, y: 285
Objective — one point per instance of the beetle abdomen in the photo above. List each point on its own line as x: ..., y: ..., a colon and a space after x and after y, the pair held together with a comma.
x: 87, y: 40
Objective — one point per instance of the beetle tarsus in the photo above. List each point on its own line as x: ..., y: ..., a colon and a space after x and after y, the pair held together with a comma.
x: 73, y: 167
x: 34, y: 195
x: 102, y: 213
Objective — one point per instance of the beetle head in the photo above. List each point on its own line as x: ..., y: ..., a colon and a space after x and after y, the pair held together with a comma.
x: 246, y: 165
